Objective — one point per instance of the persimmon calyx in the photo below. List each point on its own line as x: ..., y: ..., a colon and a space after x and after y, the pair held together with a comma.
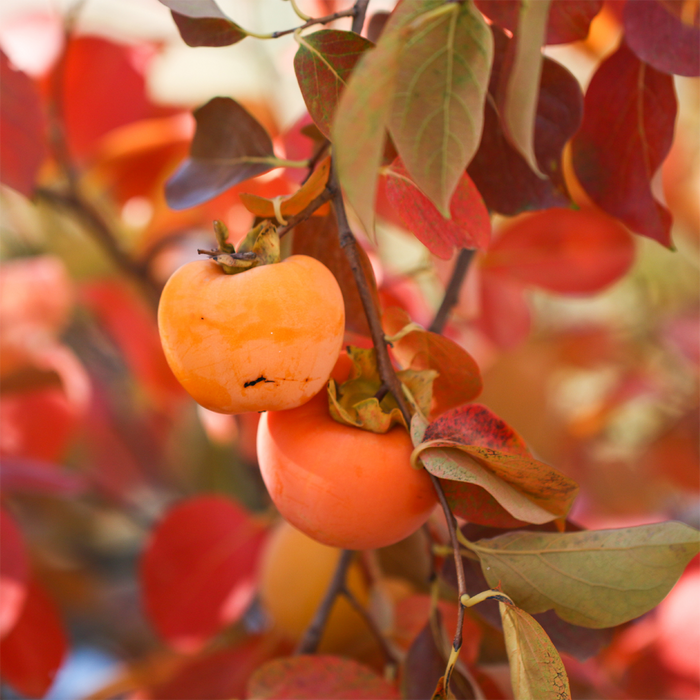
x: 355, y: 402
x: 261, y: 246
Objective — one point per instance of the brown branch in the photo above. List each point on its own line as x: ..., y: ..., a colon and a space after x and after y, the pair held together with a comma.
x: 94, y: 221
x: 358, y: 20
x: 314, y: 20
x: 451, y: 297
x: 312, y: 637
x: 72, y: 199
x: 386, y: 370
x: 372, y: 626
x: 305, y: 213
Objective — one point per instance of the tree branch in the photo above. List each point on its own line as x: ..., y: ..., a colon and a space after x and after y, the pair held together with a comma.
x: 317, y: 20
x: 305, y: 213
x: 360, y: 10
x: 362, y: 612
x: 386, y: 369
x: 451, y: 297
x: 95, y: 222
x: 312, y: 637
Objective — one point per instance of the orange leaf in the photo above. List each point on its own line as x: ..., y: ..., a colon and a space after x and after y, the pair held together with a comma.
x: 297, y: 202
x: 459, y: 378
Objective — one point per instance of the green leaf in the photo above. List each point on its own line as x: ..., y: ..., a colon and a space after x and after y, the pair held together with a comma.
x: 592, y: 578
x: 437, y: 113
x: 323, y: 65
x: 518, y: 105
x: 530, y: 490
x: 536, y: 669
x: 358, y: 131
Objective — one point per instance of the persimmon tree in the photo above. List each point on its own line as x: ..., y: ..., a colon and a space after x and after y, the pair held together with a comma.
x: 452, y: 121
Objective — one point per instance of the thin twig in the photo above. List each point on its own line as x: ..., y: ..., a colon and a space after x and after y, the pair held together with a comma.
x: 94, y: 221
x: 316, y: 157
x: 386, y: 370
x: 371, y: 624
x: 459, y: 564
x: 358, y: 21
x: 312, y: 637
x: 451, y: 297
x: 318, y: 20
x: 305, y: 213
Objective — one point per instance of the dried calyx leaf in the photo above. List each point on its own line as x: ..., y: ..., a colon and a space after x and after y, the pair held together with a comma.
x: 361, y: 401
x: 261, y: 246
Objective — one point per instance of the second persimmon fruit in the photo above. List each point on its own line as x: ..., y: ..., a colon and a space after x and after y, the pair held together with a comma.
x: 342, y: 486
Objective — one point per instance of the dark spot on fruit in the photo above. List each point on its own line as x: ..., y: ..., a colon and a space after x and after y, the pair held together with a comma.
x: 261, y: 378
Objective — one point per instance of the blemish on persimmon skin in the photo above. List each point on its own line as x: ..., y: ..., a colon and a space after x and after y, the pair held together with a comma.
x: 260, y: 379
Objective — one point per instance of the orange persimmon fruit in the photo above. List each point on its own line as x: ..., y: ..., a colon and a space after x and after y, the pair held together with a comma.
x: 295, y: 572
x: 264, y: 339
x: 342, y: 486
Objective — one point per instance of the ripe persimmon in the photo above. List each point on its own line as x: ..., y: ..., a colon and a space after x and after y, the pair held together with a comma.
x: 264, y: 339
x: 295, y: 572
x: 343, y: 486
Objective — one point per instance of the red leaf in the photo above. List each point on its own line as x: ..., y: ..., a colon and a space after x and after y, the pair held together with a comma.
x: 219, y: 675
x: 132, y: 326
x: 36, y: 292
x: 505, y: 315
x: 477, y: 425
x: 34, y: 649
x: 103, y: 90
x: 503, y: 177
x: 14, y: 570
x: 134, y: 160
x: 323, y: 65
x: 678, y: 625
x: 318, y: 678
x: 22, y: 129
x: 37, y: 424
x: 662, y: 38
x: 569, y: 20
x: 562, y: 250
x: 18, y: 475
x: 469, y: 227
x: 198, y: 570
x: 616, y: 159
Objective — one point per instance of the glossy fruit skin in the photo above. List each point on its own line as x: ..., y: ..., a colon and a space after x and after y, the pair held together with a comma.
x: 342, y: 486
x: 294, y: 574
x: 263, y: 339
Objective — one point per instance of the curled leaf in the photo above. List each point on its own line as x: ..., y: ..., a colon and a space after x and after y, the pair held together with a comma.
x: 489, y: 476
x: 355, y: 402
x: 293, y: 204
x: 536, y: 669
